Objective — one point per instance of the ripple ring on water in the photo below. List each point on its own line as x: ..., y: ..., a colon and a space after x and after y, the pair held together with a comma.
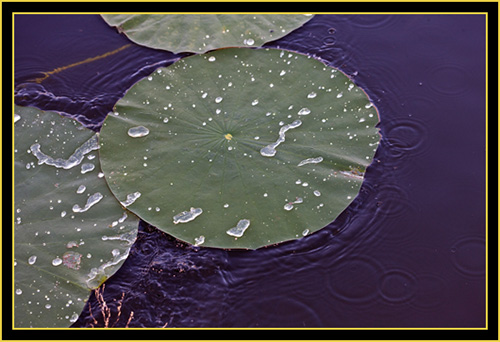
x: 406, y: 137
x: 431, y: 292
x: 354, y: 280
x: 398, y: 286
x: 392, y: 201
x: 448, y: 79
x: 469, y: 256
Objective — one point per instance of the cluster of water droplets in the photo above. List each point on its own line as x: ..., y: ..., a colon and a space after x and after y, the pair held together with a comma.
x: 75, y: 159
x: 289, y: 205
x: 217, y: 105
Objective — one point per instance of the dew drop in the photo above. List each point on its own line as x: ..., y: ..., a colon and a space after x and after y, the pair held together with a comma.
x: 138, y: 132
x: 249, y: 41
x: 92, y: 200
x: 304, y: 111
x: 316, y: 193
x: 240, y: 228
x: 17, y: 117
x: 131, y: 198
x: 19, y: 291
x: 311, y: 95
x: 218, y: 99
x: 255, y: 102
x: 211, y: 59
x: 57, y: 262
x: 310, y: 161
x: 199, y: 240
x: 32, y: 259
x: 87, y: 167
x: 187, y: 216
x: 289, y: 205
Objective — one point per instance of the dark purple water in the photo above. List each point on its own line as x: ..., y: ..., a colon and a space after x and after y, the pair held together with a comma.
x: 411, y: 249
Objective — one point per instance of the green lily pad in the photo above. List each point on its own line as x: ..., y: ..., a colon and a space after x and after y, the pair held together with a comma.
x: 201, y: 33
x: 70, y: 233
x: 240, y: 148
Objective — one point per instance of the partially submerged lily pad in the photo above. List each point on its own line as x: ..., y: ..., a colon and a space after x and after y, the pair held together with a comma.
x: 70, y: 233
x: 200, y: 33
x: 244, y: 148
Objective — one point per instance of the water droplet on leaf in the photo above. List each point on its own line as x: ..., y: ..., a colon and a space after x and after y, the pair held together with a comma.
x: 304, y: 111
x: 240, y: 228
x: 138, y: 132
x: 310, y: 161
x: 187, y: 216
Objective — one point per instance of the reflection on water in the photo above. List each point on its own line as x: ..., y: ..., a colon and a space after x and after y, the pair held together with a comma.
x: 408, y: 252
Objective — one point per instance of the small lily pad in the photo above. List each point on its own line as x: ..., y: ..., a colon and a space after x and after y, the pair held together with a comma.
x: 200, y: 33
x: 70, y: 233
x: 245, y: 147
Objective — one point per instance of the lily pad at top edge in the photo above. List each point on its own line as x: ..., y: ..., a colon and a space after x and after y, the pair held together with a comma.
x: 200, y: 33
x: 240, y: 148
x: 70, y: 233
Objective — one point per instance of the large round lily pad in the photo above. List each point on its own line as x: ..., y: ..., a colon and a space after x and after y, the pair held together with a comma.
x: 203, y: 32
x: 240, y: 148
x: 70, y: 233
